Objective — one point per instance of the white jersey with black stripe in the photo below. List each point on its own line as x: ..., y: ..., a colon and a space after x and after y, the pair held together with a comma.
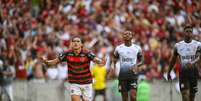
x: 127, y: 55
x: 187, y: 51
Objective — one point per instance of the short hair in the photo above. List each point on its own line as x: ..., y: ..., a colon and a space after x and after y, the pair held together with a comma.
x: 128, y: 31
x: 81, y: 39
x: 188, y: 27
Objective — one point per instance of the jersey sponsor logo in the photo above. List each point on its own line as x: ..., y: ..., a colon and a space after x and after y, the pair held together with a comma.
x: 189, y: 57
x: 127, y: 59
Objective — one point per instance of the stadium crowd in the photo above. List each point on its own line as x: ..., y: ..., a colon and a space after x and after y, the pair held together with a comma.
x: 33, y: 28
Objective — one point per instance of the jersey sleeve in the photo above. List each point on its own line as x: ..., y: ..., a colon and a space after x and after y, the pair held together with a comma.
x: 199, y: 47
x: 139, y: 54
x: 91, y: 55
x: 62, y: 56
x: 139, y: 50
x: 175, y: 52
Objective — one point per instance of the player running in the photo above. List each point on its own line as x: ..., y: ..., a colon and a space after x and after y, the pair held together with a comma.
x: 79, y: 76
x: 188, y: 52
x: 130, y: 57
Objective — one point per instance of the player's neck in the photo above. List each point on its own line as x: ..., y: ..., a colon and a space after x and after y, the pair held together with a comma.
x: 77, y: 51
x: 128, y: 43
x: 187, y: 40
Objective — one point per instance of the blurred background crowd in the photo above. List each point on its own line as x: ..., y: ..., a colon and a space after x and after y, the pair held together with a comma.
x: 33, y: 28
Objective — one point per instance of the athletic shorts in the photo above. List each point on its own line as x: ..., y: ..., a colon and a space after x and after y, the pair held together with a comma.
x: 127, y: 84
x: 188, y: 79
x: 85, y: 90
x: 100, y: 92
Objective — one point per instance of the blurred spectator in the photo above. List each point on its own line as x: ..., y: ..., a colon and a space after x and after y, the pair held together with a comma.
x: 29, y: 26
x: 62, y: 71
x: 38, y: 73
x: 7, y: 74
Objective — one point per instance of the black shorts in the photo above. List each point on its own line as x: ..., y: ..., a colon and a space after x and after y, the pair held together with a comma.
x: 188, y: 79
x: 127, y: 84
x: 100, y: 92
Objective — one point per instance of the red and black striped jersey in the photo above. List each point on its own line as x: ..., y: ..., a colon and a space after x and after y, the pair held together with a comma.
x: 78, y: 66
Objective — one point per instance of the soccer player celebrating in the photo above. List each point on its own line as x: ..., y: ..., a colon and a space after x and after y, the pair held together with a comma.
x: 79, y: 76
x: 188, y: 52
x: 130, y: 57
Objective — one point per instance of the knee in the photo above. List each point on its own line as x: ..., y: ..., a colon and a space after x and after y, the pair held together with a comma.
x: 133, y: 97
x: 185, y: 95
x: 125, y: 99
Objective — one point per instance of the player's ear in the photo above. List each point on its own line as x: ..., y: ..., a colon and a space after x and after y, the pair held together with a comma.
x: 82, y: 45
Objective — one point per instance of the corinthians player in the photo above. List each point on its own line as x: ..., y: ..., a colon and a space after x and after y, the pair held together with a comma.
x: 130, y: 57
x: 188, y: 52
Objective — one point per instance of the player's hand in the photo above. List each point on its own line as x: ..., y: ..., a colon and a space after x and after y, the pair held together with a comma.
x: 169, y: 76
x: 43, y: 59
x: 135, y: 69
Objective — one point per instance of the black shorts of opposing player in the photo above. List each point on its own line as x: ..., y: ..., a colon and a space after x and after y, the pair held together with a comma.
x: 127, y: 85
x: 100, y: 92
x: 188, y: 79
x: 127, y: 80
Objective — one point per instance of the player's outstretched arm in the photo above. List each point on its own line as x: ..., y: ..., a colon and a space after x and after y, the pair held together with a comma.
x: 50, y: 62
